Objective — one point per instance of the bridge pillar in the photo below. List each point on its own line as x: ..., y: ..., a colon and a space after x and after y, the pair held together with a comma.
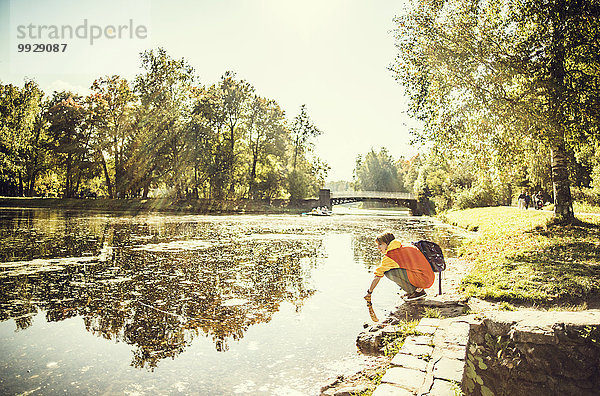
x: 415, y: 208
x: 325, y: 197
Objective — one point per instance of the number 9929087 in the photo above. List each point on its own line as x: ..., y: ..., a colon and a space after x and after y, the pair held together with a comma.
x: 41, y: 47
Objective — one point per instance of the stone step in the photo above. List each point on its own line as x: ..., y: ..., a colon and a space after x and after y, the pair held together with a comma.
x: 557, y: 353
x: 431, y: 363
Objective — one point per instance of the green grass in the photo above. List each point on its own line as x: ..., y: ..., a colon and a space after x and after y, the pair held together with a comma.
x: 392, y: 344
x: 579, y: 208
x: 520, y: 257
x: 432, y: 313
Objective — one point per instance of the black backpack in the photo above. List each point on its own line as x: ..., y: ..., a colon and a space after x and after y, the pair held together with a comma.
x: 433, y: 253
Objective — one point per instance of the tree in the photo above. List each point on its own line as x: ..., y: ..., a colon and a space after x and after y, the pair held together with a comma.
x: 165, y: 105
x: 478, y: 72
x: 377, y: 172
x: 266, y: 137
x: 69, y: 132
x: 408, y: 171
x: 112, y: 107
x: 235, y: 96
x: 22, y: 137
x: 222, y: 113
x: 304, y: 175
x: 303, y: 131
x: 209, y: 148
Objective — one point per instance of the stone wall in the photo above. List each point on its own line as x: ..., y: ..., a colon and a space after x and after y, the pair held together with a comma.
x: 533, y: 352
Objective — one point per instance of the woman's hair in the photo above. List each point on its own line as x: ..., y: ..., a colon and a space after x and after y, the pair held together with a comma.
x: 386, y: 238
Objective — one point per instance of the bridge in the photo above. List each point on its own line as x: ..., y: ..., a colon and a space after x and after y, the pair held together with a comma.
x: 407, y: 200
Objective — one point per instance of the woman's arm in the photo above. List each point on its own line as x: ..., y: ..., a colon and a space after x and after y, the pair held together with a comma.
x: 372, y: 287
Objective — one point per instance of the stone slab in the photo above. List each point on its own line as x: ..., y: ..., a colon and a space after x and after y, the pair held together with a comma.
x: 406, y: 378
x: 534, y: 334
x: 389, y: 330
x: 416, y: 350
x: 409, y: 361
x: 391, y: 390
x: 441, y: 388
x: 420, y: 340
x: 453, y: 351
x: 449, y: 369
x: 457, y: 333
x: 426, y: 329
x: 351, y: 390
x: 435, y: 322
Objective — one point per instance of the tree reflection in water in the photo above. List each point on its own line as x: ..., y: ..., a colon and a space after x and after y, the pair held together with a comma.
x: 158, y: 282
x: 157, y: 300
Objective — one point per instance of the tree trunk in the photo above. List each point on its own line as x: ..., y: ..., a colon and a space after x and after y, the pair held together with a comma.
x: 195, y: 189
x: 20, y: 184
x: 119, y: 190
x: 563, y: 202
x: 31, y: 184
x: 107, y: 177
x: 252, y: 186
x: 231, y: 164
x: 68, y: 177
x: 296, y: 149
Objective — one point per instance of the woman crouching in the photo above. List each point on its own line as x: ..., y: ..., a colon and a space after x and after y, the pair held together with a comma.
x: 403, y: 264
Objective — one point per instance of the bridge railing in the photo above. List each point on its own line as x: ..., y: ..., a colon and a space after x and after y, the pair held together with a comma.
x: 373, y: 194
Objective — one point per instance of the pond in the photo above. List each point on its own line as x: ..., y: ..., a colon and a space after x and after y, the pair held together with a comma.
x: 180, y: 304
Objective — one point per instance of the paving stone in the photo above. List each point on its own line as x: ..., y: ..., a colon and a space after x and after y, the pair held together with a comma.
x: 441, y: 388
x: 415, y: 349
x: 426, y: 329
x: 391, y: 390
x: 457, y: 333
x: 406, y: 378
x: 453, y: 351
x: 409, y: 361
x: 460, y: 324
x: 449, y: 369
x: 420, y: 340
x: 351, y: 390
x: 389, y: 330
x: 435, y: 322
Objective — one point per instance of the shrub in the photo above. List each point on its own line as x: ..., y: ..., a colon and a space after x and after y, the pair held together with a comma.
x: 590, y: 196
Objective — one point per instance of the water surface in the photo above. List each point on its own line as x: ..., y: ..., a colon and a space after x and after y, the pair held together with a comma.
x: 179, y: 304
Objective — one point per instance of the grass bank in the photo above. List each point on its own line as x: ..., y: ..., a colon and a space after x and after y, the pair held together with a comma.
x: 201, y: 206
x: 520, y: 258
x: 579, y: 208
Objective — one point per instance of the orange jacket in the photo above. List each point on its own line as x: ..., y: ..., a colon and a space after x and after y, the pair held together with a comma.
x: 407, y: 256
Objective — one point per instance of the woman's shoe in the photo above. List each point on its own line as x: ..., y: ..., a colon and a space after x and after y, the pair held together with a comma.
x: 417, y: 295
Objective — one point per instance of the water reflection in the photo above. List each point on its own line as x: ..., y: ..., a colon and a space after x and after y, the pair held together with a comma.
x: 158, y: 282
x: 156, y: 299
x: 372, y: 314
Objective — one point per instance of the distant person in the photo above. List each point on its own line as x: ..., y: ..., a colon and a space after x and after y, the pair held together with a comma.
x: 405, y: 265
x: 538, y: 201
x: 521, y: 200
x: 527, y: 200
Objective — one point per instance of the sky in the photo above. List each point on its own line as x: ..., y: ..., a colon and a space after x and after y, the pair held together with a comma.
x: 332, y: 55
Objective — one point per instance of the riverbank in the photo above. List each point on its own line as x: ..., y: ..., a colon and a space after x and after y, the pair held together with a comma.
x: 516, y: 261
x: 520, y: 257
x: 197, y: 206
